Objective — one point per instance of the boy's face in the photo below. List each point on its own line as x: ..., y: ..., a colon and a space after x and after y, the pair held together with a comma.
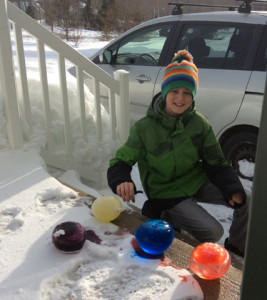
x: 178, y: 100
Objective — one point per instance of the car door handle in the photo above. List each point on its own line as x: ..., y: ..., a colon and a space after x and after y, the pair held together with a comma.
x: 143, y: 78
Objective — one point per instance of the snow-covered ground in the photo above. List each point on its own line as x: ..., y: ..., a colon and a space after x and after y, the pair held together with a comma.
x: 33, y: 202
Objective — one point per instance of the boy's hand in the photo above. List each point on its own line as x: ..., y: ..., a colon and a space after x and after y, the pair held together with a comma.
x: 236, y: 198
x: 126, y: 191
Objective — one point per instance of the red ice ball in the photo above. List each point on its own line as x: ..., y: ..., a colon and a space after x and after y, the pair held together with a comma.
x: 210, y: 261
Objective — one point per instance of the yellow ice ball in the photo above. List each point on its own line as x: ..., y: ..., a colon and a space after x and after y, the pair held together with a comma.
x: 106, y: 208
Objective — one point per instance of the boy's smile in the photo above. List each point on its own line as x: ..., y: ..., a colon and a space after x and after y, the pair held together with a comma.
x: 178, y: 100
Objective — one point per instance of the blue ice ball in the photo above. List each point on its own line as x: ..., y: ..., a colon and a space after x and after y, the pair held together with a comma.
x: 154, y: 236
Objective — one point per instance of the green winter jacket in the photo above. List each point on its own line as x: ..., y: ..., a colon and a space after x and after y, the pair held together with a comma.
x: 171, y: 152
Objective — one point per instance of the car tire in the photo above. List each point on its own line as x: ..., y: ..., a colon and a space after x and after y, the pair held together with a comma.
x: 241, y: 146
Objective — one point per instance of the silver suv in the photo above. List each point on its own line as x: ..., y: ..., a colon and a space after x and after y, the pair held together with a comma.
x: 229, y: 49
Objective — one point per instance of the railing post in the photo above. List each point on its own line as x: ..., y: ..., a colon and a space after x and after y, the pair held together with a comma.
x: 7, y: 81
x: 123, y: 105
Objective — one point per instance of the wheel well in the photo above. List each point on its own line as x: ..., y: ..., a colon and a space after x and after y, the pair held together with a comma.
x: 235, y: 130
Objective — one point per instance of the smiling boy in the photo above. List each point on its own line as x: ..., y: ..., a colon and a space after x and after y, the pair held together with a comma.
x: 181, y: 162
x: 178, y: 100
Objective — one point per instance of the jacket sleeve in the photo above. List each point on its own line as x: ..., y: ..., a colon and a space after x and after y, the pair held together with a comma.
x: 218, y: 170
x: 126, y: 156
x: 120, y: 172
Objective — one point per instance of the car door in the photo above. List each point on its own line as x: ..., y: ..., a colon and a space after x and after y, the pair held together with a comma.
x: 140, y: 53
x: 220, y: 52
x: 257, y: 80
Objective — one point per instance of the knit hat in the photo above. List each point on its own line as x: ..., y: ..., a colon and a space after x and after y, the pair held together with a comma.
x: 181, y: 72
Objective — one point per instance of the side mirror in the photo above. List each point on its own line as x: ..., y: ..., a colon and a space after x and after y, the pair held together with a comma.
x: 105, y: 57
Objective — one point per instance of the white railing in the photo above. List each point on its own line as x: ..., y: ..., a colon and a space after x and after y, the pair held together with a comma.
x: 117, y: 87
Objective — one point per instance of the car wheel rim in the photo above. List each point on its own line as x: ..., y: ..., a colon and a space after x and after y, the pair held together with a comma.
x: 243, y: 152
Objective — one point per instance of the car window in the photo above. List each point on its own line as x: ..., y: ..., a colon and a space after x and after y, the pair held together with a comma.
x: 261, y: 58
x: 141, y: 48
x: 216, y: 46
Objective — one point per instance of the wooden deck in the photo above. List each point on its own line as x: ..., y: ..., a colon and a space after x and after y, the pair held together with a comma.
x: 224, y: 288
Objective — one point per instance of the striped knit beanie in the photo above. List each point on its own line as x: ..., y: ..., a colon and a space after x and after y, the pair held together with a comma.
x: 181, y: 72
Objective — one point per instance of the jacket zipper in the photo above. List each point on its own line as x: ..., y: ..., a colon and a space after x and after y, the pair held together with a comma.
x: 176, y: 124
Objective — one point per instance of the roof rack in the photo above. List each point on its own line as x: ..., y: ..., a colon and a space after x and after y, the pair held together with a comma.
x: 245, y: 7
x: 178, y: 7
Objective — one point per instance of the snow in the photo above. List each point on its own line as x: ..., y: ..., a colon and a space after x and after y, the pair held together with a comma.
x: 33, y: 202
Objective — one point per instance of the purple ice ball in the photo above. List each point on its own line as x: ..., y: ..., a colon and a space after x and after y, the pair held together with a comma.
x: 69, y: 237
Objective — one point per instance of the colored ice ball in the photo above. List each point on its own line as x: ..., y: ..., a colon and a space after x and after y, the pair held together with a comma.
x: 210, y: 261
x: 69, y: 236
x: 106, y: 208
x: 154, y: 236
